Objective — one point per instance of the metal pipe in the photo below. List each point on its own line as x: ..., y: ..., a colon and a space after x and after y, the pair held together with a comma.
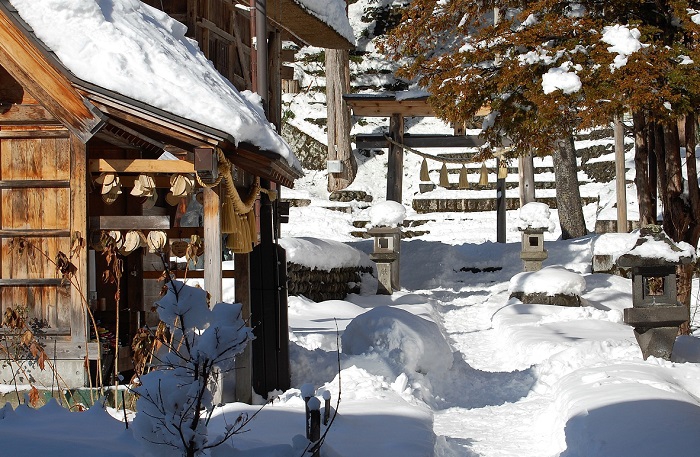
x: 259, y: 60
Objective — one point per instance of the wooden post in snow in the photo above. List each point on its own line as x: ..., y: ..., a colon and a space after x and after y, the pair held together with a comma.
x: 394, y: 175
x: 339, y: 122
x: 620, y: 184
x: 526, y: 176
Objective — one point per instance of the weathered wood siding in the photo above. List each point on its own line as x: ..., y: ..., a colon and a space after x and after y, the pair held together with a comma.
x: 35, y: 197
x: 222, y: 31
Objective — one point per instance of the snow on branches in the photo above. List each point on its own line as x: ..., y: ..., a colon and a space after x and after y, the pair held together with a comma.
x: 176, y: 398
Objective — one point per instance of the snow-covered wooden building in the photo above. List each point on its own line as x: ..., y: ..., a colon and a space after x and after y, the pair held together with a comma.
x: 91, y: 91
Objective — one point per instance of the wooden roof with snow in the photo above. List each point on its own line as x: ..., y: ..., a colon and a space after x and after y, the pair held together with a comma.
x: 89, y: 110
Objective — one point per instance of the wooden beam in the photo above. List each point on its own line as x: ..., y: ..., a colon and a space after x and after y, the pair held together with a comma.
x: 34, y: 184
x: 376, y: 107
x: 23, y: 114
x: 376, y: 140
x: 140, y: 166
x: 386, y: 105
x: 194, y: 274
x: 26, y: 63
x: 31, y: 134
x: 38, y: 282
x: 129, y: 222
x: 209, y: 25
x: 39, y: 233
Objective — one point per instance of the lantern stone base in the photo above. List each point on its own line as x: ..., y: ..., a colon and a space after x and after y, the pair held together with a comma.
x: 532, y: 260
x: 656, y: 328
x: 656, y: 341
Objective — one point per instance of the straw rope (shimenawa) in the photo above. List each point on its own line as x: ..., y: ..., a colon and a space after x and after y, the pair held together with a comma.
x: 237, y: 215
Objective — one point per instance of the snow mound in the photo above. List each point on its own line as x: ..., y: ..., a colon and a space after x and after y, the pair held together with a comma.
x: 386, y: 214
x: 401, y: 337
x: 323, y: 254
x: 551, y: 280
x: 534, y: 215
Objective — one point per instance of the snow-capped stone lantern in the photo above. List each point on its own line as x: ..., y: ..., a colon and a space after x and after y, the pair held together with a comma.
x: 385, y: 218
x: 533, y: 221
x: 656, y: 313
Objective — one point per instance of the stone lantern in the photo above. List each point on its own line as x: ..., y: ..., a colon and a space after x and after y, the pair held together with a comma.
x: 656, y: 314
x: 387, y: 247
x: 533, y: 222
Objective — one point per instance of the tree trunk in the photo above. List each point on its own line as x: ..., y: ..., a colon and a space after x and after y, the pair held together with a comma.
x: 693, y: 186
x: 679, y: 218
x: 570, y: 210
x: 641, y: 164
x: 339, y: 147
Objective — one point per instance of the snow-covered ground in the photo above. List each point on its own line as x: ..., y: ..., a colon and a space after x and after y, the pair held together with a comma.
x: 448, y: 366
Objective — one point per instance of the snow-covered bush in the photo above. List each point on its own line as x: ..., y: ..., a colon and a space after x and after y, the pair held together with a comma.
x: 176, y: 399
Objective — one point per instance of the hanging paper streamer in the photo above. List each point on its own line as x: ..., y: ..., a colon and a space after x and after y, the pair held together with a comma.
x: 424, y: 176
x: 463, y: 182
x: 444, y: 181
x: 502, y: 169
x: 484, y: 178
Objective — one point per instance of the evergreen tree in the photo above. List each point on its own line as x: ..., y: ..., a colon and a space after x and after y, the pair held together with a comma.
x: 466, y: 59
x: 548, y: 68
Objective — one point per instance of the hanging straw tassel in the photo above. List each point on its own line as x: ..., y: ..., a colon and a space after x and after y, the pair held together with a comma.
x: 424, y: 176
x: 463, y: 182
x: 228, y: 217
x: 444, y: 180
x: 502, y: 169
x: 484, y: 178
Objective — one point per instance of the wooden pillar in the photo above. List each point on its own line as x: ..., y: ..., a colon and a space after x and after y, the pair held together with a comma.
x: 339, y: 119
x: 212, y: 244
x: 500, y: 204
x: 620, y: 184
x: 526, y: 175
x: 244, y: 361
x: 274, y: 50
x: 78, y: 215
x: 394, y: 175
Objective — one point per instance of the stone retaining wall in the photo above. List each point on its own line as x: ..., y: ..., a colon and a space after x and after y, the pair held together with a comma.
x: 320, y: 285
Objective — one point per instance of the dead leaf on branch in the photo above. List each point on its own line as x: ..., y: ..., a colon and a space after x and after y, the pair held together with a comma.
x: 13, y: 319
x: 64, y: 265
x: 27, y: 338
x: 43, y: 358
x: 34, y: 397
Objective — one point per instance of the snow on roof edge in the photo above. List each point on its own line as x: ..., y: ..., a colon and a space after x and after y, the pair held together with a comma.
x: 141, y: 53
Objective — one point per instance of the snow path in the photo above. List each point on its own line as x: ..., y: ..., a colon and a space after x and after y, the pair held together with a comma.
x: 501, y: 416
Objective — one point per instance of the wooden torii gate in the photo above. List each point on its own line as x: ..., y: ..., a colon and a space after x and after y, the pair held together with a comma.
x: 397, y: 109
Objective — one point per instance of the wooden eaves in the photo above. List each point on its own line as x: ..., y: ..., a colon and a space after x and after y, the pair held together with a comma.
x: 304, y: 26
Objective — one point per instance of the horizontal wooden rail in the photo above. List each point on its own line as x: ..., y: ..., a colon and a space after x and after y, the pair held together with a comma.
x: 139, y: 166
x: 33, y: 184
x: 39, y: 233
x: 58, y: 331
x: 33, y: 134
x: 41, y: 282
x: 194, y: 274
x: 367, y: 141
